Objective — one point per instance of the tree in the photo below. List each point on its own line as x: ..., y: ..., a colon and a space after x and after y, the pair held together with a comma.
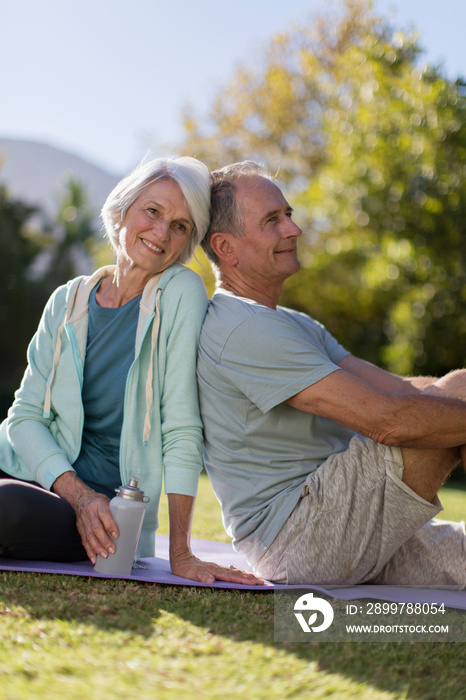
x: 35, y: 258
x: 370, y: 147
x: 21, y: 298
x: 72, y: 237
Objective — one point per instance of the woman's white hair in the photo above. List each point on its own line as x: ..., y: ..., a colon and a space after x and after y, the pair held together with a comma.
x: 191, y: 176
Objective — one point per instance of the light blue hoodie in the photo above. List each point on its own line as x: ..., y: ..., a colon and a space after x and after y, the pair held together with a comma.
x: 162, y: 429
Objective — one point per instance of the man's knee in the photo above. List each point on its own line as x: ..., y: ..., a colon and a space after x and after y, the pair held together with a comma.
x: 452, y: 385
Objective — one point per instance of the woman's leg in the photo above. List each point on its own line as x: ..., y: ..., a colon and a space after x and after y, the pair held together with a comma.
x: 36, y: 524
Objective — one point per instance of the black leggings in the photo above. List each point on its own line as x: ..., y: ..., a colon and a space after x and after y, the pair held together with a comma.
x: 36, y: 523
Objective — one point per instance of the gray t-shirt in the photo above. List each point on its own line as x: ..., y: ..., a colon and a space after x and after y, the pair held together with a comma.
x: 258, y: 449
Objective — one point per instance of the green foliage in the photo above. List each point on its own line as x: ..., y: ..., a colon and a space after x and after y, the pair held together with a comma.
x: 34, y: 259
x: 21, y: 298
x: 370, y: 147
x: 72, y: 238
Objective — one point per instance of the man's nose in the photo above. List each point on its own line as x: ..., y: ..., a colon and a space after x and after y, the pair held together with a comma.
x: 292, y: 229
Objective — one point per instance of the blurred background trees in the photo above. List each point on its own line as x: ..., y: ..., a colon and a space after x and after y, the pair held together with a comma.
x: 37, y: 255
x: 72, y: 238
x: 369, y: 145
x: 20, y: 297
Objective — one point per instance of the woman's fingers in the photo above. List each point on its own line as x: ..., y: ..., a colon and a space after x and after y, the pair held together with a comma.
x: 189, y: 566
x: 94, y: 520
x: 95, y: 524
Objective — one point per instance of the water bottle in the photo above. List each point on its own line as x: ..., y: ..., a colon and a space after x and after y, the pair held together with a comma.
x: 128, y: 512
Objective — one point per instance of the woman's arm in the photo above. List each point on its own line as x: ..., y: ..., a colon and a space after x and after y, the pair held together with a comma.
x: 182, y: 560
x: 28, y: 430
x: 94, y: 520
x: 182, y: 434
x: 184, y: 303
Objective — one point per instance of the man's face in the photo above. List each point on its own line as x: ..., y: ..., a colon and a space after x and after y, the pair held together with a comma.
x: 267, y: 252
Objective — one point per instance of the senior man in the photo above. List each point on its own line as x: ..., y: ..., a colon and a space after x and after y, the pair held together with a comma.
x: 327, y: 467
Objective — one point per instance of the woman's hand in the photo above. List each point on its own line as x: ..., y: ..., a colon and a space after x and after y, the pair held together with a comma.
x: 94, y: 520
x: 189, y: 566
x: 182, y: 560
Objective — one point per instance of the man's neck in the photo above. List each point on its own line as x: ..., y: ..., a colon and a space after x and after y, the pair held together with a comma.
x: 267, y: 297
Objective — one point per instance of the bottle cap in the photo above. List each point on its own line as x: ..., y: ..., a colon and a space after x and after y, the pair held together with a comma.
x: 131, y: 492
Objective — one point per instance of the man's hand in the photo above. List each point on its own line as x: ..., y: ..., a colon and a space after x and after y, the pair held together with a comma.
x: 189, y: 566
x: 94, y: 520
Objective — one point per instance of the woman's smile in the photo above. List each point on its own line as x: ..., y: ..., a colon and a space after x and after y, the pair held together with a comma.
x: 159, y: 219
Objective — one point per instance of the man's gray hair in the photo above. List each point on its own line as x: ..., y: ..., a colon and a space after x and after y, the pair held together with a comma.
x: 226, y: 215
x: 191, y: 176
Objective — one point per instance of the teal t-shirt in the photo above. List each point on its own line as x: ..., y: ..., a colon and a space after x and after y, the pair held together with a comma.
x: 258, y: 449
x: 110, y: 352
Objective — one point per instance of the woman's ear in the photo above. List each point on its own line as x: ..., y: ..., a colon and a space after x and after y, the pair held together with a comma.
x: 223, y: 246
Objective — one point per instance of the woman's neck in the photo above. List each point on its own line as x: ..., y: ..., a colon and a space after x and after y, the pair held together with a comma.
x: 125, y: 284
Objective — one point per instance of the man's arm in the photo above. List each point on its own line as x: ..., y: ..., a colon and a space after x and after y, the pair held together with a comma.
x: 376, y: 404
x: 383, y: 380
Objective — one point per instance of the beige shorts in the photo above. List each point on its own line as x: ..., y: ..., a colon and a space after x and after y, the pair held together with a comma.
x: 357, y: 522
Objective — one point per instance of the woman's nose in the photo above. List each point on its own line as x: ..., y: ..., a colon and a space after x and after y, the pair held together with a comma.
x: 161, y: 230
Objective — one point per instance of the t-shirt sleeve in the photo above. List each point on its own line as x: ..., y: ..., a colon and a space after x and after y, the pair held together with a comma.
x: 270, y: 358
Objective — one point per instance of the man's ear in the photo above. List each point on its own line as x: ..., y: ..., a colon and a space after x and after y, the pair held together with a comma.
x: 223, y: 246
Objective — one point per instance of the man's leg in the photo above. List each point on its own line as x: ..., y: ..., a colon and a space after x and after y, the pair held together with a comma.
x: 452, y: 385
x: 434, y: 556
x: 426, y: 470
x: 355, y: 512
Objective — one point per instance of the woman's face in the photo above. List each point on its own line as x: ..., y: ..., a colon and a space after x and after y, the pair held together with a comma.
x: 156, y: 227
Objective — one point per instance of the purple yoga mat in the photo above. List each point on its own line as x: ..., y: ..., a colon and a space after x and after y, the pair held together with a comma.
x: 157, y: 570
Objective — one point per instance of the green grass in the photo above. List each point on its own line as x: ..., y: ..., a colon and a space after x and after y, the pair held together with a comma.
x: 70, y: 637
x: 453, y: 498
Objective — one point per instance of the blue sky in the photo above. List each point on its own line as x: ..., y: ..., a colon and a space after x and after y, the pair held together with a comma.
x: 106, y: 79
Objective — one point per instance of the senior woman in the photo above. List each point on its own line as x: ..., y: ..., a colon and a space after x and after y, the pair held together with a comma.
x: 110, y: 387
